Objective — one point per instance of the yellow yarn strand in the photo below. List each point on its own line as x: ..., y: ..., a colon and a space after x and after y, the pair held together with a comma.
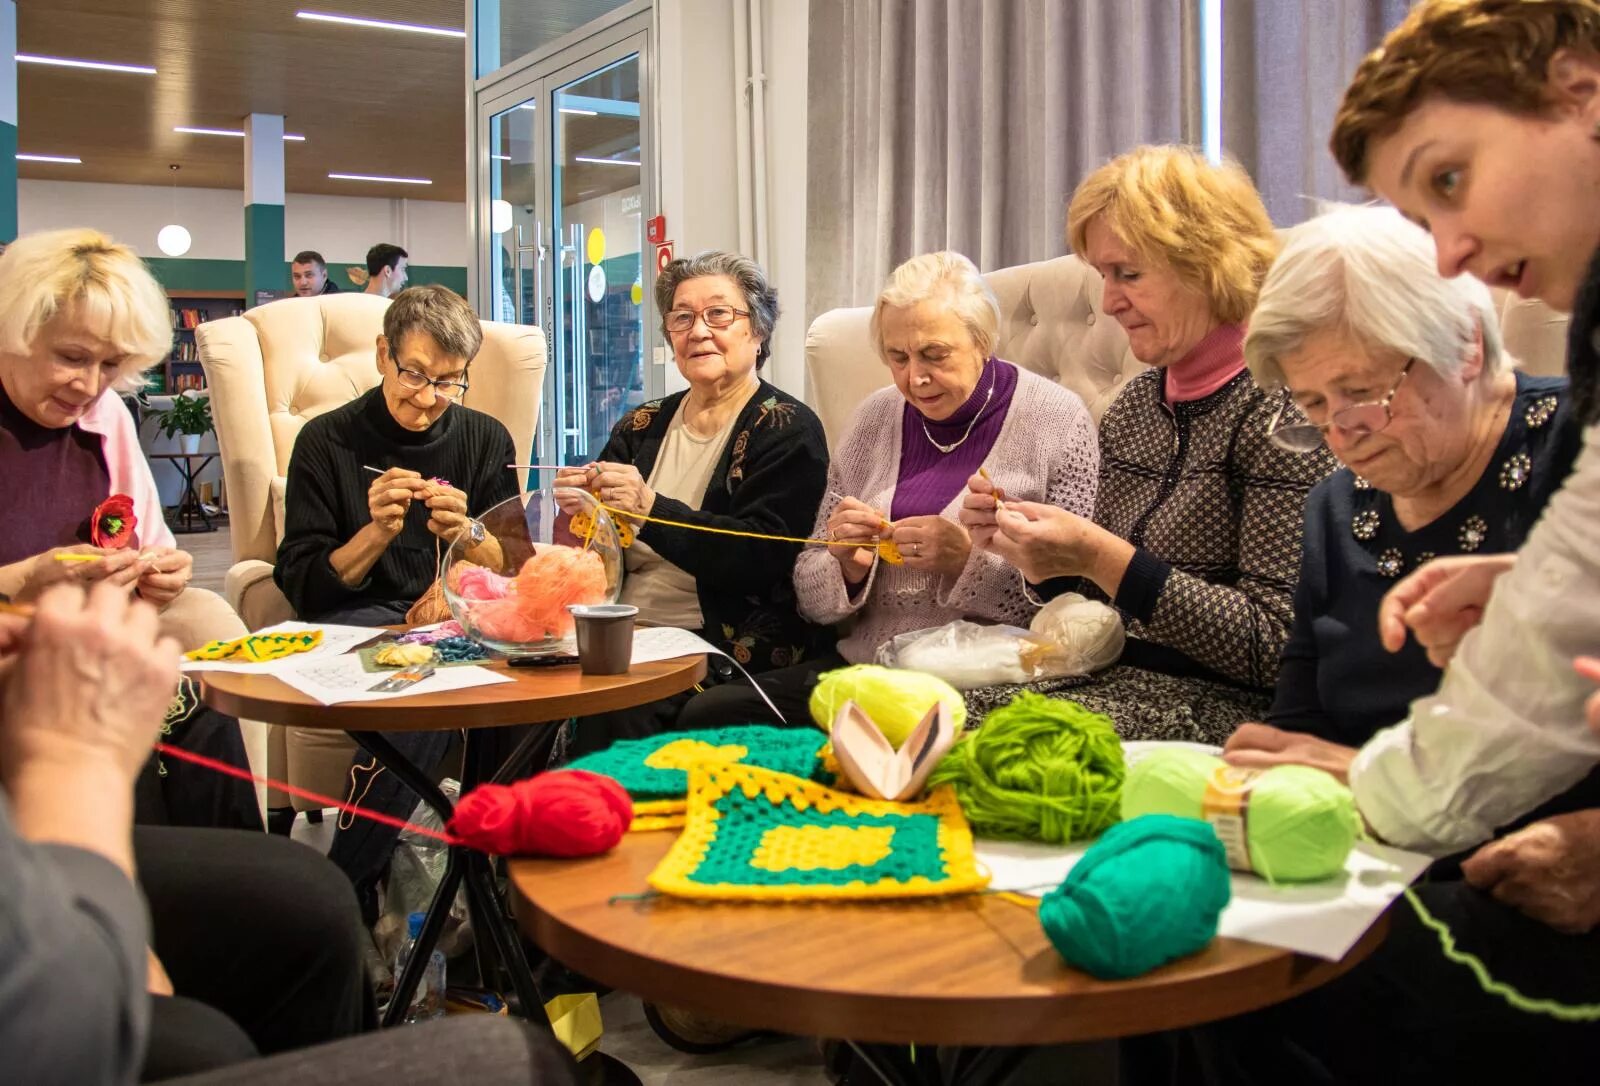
x: 886, y: 548
x: 1563, y: 1012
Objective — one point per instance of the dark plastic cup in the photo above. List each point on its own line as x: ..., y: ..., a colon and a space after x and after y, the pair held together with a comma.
x: 605, y: 637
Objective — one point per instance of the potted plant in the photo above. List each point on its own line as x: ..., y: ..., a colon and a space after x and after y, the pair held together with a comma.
x: 188, y: 420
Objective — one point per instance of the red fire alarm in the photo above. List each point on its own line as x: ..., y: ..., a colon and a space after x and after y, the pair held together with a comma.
x: 656, y: 229
x: 663, y: 255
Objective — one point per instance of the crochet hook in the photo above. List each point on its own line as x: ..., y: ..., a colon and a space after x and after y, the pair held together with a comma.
x: 999, y: 495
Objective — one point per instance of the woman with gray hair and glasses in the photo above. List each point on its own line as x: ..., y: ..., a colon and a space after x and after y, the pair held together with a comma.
x: 1446, y: 450
x: 732, y: 453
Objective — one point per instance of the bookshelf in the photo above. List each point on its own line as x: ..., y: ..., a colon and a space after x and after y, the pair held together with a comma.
x: 190, y: 309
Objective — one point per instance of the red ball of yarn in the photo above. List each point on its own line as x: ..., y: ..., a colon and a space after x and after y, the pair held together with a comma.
x: 566, y: 812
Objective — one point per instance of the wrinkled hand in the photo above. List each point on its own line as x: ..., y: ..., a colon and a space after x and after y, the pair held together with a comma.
x: 1044, y: 541
x: 1589, y: 668
x: 120, y: 567
x: 933, y: 545
x: 1440, y: 602
x: 854, y: 521
x: 622, y: 487
x: 91, y: 681
x: 167, y: 572
x: 390, y: 495
x: 1549, y: 871
x: 447, y: 511
x: 979, y: 507
x: 1261, y: 746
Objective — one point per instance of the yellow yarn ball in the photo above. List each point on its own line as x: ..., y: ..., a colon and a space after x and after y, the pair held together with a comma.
x: 896, y: 700
x: 1290, y: 823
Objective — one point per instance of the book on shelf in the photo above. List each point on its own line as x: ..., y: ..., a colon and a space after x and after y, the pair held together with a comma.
x: 187, y: 382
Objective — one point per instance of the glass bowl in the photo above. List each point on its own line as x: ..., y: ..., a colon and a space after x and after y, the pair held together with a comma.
x: 542, y: 551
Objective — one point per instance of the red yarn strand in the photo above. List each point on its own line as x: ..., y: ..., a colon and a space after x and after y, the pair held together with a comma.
x: 305, y: 793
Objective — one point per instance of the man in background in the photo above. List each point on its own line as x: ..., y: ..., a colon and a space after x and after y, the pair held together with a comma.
x: 386, y: 270
x: 309, y: 273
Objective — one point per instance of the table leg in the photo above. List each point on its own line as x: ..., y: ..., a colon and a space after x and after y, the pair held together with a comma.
x: 462, y: 866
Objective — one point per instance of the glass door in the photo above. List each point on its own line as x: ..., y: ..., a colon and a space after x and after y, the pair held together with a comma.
x: 564, y: 199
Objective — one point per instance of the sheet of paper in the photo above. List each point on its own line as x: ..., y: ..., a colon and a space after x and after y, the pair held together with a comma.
x: 336, y: 640
x: 1321, y: 919
x: 341, y: 680
x: 669, y: 643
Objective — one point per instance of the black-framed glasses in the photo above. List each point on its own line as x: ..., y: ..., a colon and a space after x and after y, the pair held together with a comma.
x: 450, y: 389
x: 1359, y: 419
x: 715, y: 316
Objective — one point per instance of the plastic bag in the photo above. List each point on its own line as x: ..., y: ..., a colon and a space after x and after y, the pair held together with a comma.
x: 1072, y: 635
x: 414, y: 875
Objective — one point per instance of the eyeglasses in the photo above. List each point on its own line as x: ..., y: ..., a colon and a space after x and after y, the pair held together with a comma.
x: 716, y: 316
x: 1359, y: 418
x: 416, y: 382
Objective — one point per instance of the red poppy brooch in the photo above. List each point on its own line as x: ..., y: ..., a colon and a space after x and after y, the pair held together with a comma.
x: 113, y: 523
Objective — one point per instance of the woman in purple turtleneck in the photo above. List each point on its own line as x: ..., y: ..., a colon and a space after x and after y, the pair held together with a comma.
x: 1195, y: 536
x: 901, y: 471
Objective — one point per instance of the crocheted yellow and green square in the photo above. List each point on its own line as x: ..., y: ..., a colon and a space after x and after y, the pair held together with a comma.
x: 756, y: 835
x: 655, y: 769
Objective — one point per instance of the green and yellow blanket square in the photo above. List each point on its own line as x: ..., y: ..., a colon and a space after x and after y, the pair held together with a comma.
x: 654, y: 770
x: 753, y: 834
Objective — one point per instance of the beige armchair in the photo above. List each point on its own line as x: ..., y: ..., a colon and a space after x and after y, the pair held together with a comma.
x: 271, y: 371
x: 1535, y: 335
x: 1050, y: 323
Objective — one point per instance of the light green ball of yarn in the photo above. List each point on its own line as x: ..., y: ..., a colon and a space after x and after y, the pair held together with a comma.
x: 1039, y: 769
x: 1299, y: 823
x: 895, y: 699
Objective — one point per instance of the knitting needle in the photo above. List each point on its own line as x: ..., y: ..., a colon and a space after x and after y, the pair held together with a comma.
x: 546, y: 467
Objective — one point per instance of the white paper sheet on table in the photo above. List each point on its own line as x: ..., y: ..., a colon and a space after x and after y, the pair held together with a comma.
x: 341, y: 680
x: 336, y: 640
x: 1322, y: 919
x: 669, y: 643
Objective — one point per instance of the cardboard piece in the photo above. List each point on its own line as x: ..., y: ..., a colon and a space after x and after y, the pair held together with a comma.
x: 872, y: 764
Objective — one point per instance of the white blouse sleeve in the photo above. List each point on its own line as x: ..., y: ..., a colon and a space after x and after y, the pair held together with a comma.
x: 1506, y: 730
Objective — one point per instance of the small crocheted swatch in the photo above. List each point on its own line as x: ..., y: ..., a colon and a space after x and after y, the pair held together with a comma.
x: 756, y: 835
x: 655, y: 770
x: 257, y: 648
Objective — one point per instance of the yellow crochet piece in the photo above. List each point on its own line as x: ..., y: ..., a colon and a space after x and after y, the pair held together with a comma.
x: 583, y: 526
x: 757, y: 835
x: 257, y: 648
x: 658, y: 814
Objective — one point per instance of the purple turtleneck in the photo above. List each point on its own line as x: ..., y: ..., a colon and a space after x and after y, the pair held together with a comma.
x: 928, y: 478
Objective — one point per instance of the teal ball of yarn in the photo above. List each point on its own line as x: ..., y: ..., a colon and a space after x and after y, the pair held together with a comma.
x: 1293, y: 823
x: 1038, y: 769
x: 1148, y: 891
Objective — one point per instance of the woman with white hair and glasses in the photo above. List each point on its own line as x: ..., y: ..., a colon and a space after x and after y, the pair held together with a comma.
x: 900, y: 473
x: 1446, y: 450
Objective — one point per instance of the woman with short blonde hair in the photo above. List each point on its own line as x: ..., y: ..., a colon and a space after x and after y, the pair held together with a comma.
x: 1195, y: 536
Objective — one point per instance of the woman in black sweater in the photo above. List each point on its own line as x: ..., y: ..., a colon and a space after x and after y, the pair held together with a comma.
x: 359, y: 549
x: 731, y: 452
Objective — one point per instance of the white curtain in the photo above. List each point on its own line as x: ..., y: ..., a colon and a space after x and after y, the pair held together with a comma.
x: 966, y: 124
x: 1285, y: 66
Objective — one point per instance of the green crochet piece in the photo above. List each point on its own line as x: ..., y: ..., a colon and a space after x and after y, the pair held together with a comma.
x: 657, y: 767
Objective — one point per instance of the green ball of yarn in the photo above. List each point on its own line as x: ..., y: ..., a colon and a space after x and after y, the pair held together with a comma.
x: 895, y: 699
x: 1148, y: 891
x: 1039, y: 769
x: 1290, y: 823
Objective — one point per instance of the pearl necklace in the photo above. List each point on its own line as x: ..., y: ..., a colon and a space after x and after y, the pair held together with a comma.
x: 953, y: 446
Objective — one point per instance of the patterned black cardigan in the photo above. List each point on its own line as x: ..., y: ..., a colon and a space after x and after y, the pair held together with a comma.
x: 769, y: 478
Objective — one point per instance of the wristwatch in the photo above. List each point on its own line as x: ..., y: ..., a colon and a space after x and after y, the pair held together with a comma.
x: 476, y: 532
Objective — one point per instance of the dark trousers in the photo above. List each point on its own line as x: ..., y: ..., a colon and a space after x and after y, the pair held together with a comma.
x: 1408, y: 1014
x: 736, y: 701
x: 170, y: 792
x: 480, y: 1049
x: 262, y: 940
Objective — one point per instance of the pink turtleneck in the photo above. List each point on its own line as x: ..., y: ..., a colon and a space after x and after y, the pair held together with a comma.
x: 1212, y: 363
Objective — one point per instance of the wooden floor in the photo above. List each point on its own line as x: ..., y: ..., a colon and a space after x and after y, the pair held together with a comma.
x: 213, y: 554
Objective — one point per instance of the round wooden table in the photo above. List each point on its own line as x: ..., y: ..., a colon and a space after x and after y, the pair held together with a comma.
x: 537, y: 695
x: 974, y: 970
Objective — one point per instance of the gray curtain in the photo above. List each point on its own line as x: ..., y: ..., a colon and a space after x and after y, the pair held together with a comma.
x: 1285, y: 66
x: 965, y: 124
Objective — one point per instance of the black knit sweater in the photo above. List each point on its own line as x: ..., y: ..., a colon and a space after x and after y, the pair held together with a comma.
x: 769, y: 478
x: 326, y: 501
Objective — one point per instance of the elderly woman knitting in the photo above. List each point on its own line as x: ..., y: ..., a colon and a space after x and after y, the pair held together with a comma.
x: 899, y: 474
x: 1195, y: 534
x: 81, y: 318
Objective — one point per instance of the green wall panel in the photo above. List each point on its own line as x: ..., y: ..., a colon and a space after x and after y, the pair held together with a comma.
x: 8, y: 182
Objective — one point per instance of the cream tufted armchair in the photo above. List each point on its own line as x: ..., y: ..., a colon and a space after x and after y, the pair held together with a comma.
x: 271, y: 371
x: 1050, y: 323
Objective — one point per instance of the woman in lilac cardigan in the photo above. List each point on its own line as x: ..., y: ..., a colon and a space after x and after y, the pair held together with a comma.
x: 900, y: 474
